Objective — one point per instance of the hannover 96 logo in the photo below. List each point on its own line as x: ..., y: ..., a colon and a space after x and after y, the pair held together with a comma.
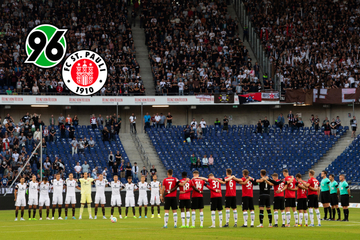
x: 84, y: 72
x: 45, y: 46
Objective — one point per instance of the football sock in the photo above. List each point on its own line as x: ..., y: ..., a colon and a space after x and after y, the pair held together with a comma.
x: 201, y: 218
x: 311, y: 211
x: 288, y: 217
x: 182, y: 215
x: 112, y: 211
x: 175, y: 219
x: 29, y: 212
x: 306, y: 216
x: 47, y: 212
x: 283, y: 217
x: 318, y: 215
x: 133, y: 208
x: 276, y: 217
x: 339, y: 213
x: 140, y: 211
x: 333, y: 213
x: 329, y: 210
x: 152, y: 210
x: 245, y: 216
x: 213, y: 218
x: 235, y: 216
x: 261, y: 216
x: 227, y: 216
x: 301, y: 215
x: 252, y: 217
x: 220, y: 218
x: 16, y: 213
x: 296, y: 216
x: 73, y: 211
x: 187, y: 218
x: 34, y: 212
x: 96, y: 208
x: 53, y: 211
x: 22, y: 213
x: 89, y: 209
x: 81, y: 209
x: 269, y: 216
x: 119, y: 209
x: 325, y: 211
x: 166, y: 219
x: 59, y: 210
x: 158, y: 209
x: 40, y: 213
x: 346, y: 214
x: 193, y: 217
x: 103, y: 210
x: 145, y: 211
x: 66, y: 211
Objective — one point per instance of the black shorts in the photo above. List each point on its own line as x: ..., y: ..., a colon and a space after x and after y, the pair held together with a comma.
x: 313, y: 201
x: 325, y: 197
x: 290, y: 202
x: 197, y: 203
x: 344, y: 199
x: 334, y: 201
x: 184, y: 203
x: 247, y: 203
x: 170, y: 202
x: 353, y: 128
x: 302, y: 204
x: 230, y: 202
x: 279, y: 203
x: 264, y: 200
x: 216, y: 204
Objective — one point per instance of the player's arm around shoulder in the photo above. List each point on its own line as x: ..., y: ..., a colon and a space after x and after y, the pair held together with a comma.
x: 181, y: 184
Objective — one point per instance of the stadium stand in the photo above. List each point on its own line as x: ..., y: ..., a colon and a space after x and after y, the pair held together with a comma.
x: 241, y: 148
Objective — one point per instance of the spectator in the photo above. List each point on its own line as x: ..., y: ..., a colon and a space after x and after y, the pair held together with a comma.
x: 203, y: 126
x: 93, y: 121
x: 122, y: 169
x: 157, y: 120
x: 111, y: 159
x: 61, y: 119
x: 112, y: 133
x: 77, y: 170
x: 199, y: 132
x: 147, y: 119
x: 47, y: 167
x: 162, y: 120
x: 198, y: 163
x: 325, y: 121
x: 52, y: 134
x: 75, y: 121
x: 290, y: 118
x: 91, y: 143
x: 135, y: 172
x: 68, y: 121
x: 71, y: 131
x: 225, y: 123
x: 152, y: 172
x: 104, y: 172
x: 145, y: 173
x: 266, y: 124
x: 211, y: 160
x: 128, y: 170
x: 205, y: 162
x: 81, y: 145
x: 94, y: 173
x: 86, y: 143
x: 316, y: 123
x: 193, y: 161
x: 353, y: 124
x: 194, y: 124
x: 259, y: 127
x: 44, y: 146
x: 132, y: 120
x: 169, y: 119
x: 85, y: 167
x: 115, y: 168
x: 99, y: 121
x: 338, y: 122
x: 327, y: 129
x: 300, y: 123
x: 280, y: 121
x: 118, y: 157
x: 217, y: 122
x: 105, y: 134
x: 46, y: 134
x: 333, y: 127
x: 74, y: 146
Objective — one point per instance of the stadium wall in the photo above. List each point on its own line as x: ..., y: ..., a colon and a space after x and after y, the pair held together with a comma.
x: 182, y: 115
x: 7, y: 202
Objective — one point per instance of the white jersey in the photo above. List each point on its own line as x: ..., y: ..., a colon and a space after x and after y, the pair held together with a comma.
x: 21, y: 190
x: 116, y: 187
x: 58, y: 186
x: 155, y: 188
x: 143, y: 188
x: 130, y: 187
x: 44, y: 189
x: 70, y: 187
x: 33, y: 189
x: 100, y: 186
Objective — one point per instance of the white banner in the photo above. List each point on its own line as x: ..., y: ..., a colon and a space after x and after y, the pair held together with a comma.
x: 112, y: 100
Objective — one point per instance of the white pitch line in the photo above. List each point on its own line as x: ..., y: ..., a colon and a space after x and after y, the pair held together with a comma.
x: 62, y: 230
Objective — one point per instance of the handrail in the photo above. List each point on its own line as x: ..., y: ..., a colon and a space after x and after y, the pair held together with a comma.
x: 141, y: 150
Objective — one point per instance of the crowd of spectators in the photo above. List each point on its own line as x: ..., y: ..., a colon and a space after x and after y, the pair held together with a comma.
x: 311, y: 44
x: 101, y: 26
x: 195, y: 48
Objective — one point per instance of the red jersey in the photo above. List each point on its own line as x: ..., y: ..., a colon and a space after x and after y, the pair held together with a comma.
x: 301, y: 193
x: 278, y: 185
x: 199, y: 184
x: 230, y: 188
x: 292, y: 185
x: 247, y: 190
x: 186, y: 188
x: 313, y: 183
x: 213, y: 186
x: 169, y: 183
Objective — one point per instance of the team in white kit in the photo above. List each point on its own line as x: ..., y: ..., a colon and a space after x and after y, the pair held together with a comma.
x: 58, y: 186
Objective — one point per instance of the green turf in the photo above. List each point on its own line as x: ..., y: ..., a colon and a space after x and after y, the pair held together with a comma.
x: 152, y: 228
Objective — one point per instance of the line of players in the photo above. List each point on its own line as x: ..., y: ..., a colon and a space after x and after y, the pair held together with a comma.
x: 284, y: 198
x: 70, y: 184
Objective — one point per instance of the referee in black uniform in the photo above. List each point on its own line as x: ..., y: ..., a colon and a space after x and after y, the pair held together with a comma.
x: 264, y: 199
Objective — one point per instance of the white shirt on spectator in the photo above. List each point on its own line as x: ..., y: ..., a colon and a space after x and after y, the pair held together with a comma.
x: 203, y: 124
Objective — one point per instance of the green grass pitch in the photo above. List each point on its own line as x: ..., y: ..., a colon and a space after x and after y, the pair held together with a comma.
x: 131, y: 228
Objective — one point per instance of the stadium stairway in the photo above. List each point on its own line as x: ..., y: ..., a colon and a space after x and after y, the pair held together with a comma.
x: 131, y: 150
x: 152, y: 155
x: 142, y: 57
x: 331, y: 155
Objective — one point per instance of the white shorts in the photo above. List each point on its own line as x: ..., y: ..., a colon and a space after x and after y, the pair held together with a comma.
x: 100, y: 199
x: 155, y: 200
x: 116, y: 200
x: 33, y: 201
x: 143, y: 201
x: 44, y: 200
x: 57, y: 199
x: 20, y: 202
x: 70, y: 200
x: 130, y: 202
